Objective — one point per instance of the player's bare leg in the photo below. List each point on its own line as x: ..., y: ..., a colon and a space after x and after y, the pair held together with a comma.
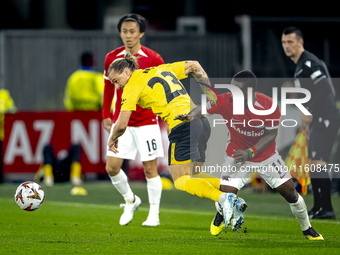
x: 120, y: 181
x: 154, y: 187
x: 179, y: 170
x: 299, y: 209
x: 287, y: 190
x: 228, y: 189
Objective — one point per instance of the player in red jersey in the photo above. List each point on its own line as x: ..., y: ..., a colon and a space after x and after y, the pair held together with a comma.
x: 143, y: 133
x: 252, y: 147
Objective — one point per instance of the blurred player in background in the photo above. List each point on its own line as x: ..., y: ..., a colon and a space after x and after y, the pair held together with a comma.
x: 62, y: 167
x: 83, y: 92
x: 252, y: 146
x: 159, y: 89
x: 142, y: 134
x: 84, y: 88
x: 7, y: 104
x: 322, y: 126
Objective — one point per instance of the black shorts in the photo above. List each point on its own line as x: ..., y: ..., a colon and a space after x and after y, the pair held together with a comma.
x: 323, y: 132
x: 188, y: 142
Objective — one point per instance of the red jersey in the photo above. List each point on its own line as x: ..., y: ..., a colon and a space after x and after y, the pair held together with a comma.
x: 246, y: 130
x: 140, y: 117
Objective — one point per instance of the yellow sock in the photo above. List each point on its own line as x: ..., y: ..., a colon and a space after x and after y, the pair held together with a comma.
x: 75, y: 169
x: 48, y: 170
x: 180, y: 182
x: 215, y: 182
x: 198, y: 187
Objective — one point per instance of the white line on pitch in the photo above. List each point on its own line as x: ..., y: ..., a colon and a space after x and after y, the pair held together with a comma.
x: 179, y: 211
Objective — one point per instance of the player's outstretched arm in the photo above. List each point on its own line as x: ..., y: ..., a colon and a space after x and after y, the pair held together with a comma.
x: 196, y: 70
x: 193, y: 114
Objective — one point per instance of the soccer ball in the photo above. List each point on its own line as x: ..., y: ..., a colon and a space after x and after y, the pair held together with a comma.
x: 29, y: 196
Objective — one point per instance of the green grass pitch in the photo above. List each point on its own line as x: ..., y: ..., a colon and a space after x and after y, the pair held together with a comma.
x: 68, y: 224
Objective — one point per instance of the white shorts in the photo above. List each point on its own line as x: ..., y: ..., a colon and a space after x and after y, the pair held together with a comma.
x: 272, y: 170
x: 146, y: 140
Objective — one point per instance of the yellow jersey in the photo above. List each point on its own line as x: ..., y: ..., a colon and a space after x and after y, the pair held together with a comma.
x: 84, y: 91
x: 6, y: 102
x: 159, y: 89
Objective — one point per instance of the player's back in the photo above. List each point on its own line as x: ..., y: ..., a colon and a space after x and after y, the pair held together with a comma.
x: 159, y: 89
x: 84, y: 90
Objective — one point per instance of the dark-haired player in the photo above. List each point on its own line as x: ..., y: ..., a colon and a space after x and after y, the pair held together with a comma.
x: 322, y: 126
x: 252, y: 147
x: 143, y: 133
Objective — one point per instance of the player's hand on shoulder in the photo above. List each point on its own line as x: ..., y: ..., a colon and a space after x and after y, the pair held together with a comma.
x: 183, y: 117
x: 107, y: 123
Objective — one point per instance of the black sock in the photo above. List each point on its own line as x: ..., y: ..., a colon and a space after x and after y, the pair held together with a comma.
x: 316, y: 185
x: 321, y: 189
x: 326, y: 194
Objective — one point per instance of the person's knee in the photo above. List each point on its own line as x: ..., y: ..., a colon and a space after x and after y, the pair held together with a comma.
x: 287, y: 190
x: 112, y: 170
x: 113, y: 165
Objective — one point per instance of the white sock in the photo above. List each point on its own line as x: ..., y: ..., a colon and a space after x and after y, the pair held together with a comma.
x: 120, y: 181
x: 299, y: 209
x: 154, y: 186
x: 222, y: 198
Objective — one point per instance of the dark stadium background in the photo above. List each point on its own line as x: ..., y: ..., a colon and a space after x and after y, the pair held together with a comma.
x: 317, y: 20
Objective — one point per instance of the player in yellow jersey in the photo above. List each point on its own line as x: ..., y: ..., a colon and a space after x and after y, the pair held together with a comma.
x: 159, y: 89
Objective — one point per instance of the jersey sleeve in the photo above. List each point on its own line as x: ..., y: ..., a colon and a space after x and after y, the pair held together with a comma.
x: 130, y: 97
x: 179, y: 69
x: 273, y: 120
x: 109, y: 90
x: 312, y: 69
x: 321, y: 84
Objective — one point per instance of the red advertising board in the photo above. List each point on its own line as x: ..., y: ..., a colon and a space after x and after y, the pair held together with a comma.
x: 26, y: 134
